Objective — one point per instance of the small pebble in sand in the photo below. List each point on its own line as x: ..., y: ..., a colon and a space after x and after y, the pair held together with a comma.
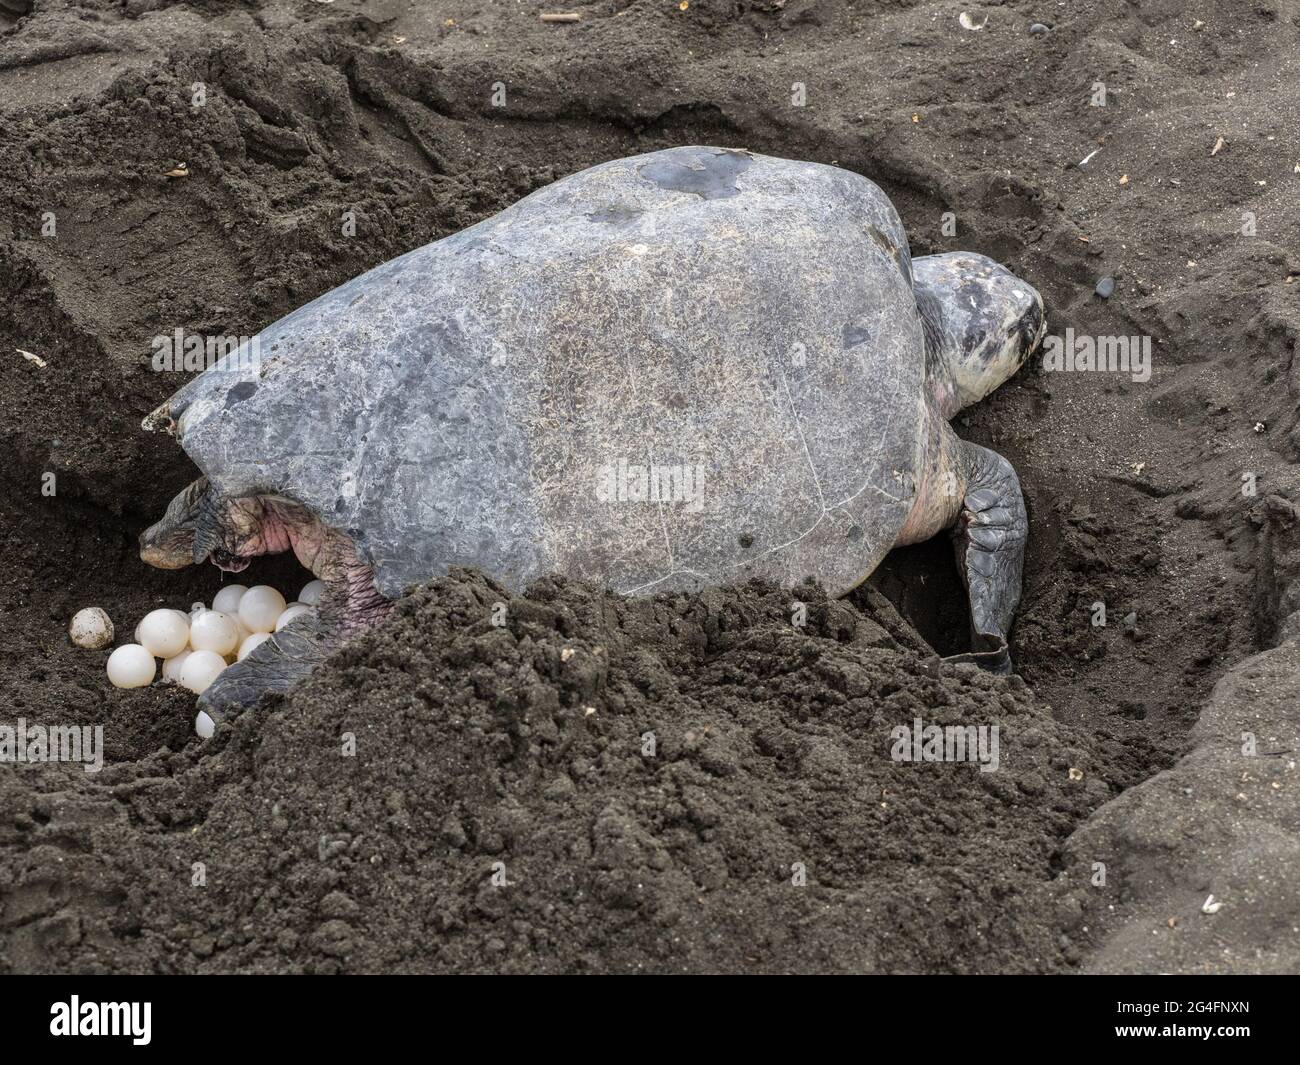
x: 131, y: 666
x: 1106, y: 287
x: 91, y: 628
x: 1038, y: 29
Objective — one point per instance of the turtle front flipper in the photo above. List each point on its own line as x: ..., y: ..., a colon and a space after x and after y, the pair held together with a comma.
x: 274, y: 665
x: 989, y: 537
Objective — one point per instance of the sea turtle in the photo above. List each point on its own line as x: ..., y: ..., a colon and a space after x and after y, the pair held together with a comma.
x: 694, y: 366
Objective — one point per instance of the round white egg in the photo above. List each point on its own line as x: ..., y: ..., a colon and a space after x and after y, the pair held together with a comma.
x: 295, y: 611
x: 214, y: 631
x: 131, y: 666
x: 163, y: 634
x: 200, y: 670
x: 311, y: 592
x: 171, y: 670
x: 249, y: 643
x: 227, y: 600
x: 91, y: 628
x: 260, y: 608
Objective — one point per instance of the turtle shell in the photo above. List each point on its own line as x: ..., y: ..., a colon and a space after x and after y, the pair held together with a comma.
x: 688, y: 367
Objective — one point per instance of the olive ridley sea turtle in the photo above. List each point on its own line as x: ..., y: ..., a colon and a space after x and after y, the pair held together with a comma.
x: 684, y: 368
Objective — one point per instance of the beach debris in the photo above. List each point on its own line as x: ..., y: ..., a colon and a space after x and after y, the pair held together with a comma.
x: 972, y: 22
x: 31, y: 356
x: 1260, y: 427
x: 561, y: 16
x: 1218, y: 147
x: 1075, y: 773
x: 1123, y: 179
x: 1106, y: 287
x: 1211, y: 905
x: 1089, y: 157
x: 179, y: 170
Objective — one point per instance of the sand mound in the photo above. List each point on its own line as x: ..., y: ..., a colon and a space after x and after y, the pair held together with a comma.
x: 647, y: 777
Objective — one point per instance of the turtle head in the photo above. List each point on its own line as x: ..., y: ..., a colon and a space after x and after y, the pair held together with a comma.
x: 205, y: 521
x: 169, y: 542
x: 981, y: 323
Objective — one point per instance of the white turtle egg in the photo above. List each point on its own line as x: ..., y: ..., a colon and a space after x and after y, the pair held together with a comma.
x: 131, y: 666
x: 249, y: 643
x: 295, y: 611
x: 214, y: 631
x: 91, y: 628
x: 311, y: 592
x: 171, y: 671
x: 260, y: 608
x: 181, y: 616
x: 163, y: 634
x: 200, y: 670
x: 227, y: 600
x: 204, y: 726
x: 196, y: 609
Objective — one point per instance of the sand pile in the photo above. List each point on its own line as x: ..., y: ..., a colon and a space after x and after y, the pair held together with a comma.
x: 596, y: 784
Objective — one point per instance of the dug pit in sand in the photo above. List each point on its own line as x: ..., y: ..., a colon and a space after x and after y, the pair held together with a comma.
x: 463, y: 404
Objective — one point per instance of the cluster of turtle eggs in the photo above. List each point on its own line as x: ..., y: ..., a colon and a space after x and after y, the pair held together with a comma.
x: 197, y: 646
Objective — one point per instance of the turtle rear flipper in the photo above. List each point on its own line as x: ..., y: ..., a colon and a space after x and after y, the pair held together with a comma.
x: 989, y: 538
x: 274, y: 665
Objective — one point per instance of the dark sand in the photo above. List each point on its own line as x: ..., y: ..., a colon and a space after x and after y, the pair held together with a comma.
x: 474, y: 744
